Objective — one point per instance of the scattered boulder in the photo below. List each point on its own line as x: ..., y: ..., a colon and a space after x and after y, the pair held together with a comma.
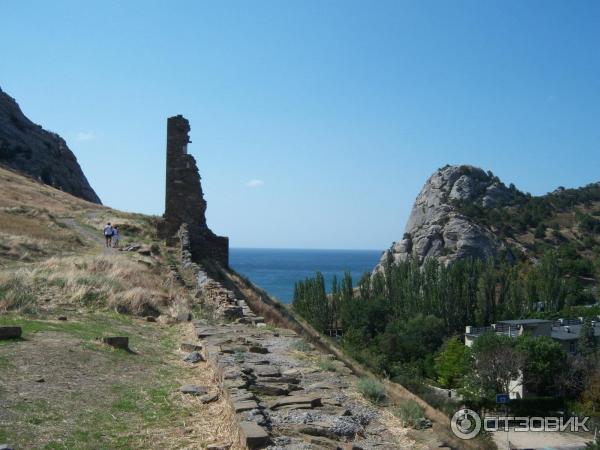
x: 209, y: 398
x: 121, y: 342
x: 10, y: 332
x: 194, y: 357
x: 190, y: 389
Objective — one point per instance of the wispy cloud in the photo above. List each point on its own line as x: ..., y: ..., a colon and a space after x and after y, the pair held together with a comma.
x: 255, y: 183
x: 84, y: 136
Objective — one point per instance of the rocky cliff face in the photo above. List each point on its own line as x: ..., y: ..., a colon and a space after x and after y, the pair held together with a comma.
x: 436, y: 229
x: 28, y: 148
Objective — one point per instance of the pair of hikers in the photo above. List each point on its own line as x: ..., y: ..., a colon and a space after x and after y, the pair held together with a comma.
x: 111, y: 235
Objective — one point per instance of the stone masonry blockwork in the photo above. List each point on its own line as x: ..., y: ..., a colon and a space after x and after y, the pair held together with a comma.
x: 184, y: 202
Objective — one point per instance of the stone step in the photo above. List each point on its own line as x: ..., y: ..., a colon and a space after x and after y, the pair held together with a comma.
x: 254, y: 435
x: 313, y: 401
x: 271, y: 389
x: 285, y: 380
x: 245, y: 405
x: 268, y: 371
x: 202, y: 333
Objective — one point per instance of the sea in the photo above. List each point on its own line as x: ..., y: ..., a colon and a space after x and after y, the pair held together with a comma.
x: 277, y: 270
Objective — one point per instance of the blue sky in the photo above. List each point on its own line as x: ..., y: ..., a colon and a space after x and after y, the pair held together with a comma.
x: 314, y: 123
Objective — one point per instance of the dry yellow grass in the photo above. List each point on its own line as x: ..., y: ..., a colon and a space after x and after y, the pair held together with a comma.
x: 52, y: 261
x: 106, y: 281
x: 17, y: 190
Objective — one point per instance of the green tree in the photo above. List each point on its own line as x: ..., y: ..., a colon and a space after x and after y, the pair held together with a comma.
x: 451, y: 363
x: 587, y: 344
x: 544, y: 360
x: 486, y: 295
x: 496, y: 362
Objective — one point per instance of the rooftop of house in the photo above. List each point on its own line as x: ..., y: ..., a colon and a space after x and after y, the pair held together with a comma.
x: 571, y: 332
x: 524, y: 322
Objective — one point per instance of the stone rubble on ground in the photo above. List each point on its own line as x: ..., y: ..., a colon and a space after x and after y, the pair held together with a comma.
x: 280, y: 397
x: 194, y: 357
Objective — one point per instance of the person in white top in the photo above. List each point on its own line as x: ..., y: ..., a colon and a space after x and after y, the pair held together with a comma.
x: 108, y: 234
x: 116, y: 236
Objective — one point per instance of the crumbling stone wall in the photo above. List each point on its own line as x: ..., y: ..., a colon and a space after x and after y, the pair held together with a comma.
x: 184, y: 202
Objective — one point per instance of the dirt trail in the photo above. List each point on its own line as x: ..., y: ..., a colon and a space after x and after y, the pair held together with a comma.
x: 86, y: 233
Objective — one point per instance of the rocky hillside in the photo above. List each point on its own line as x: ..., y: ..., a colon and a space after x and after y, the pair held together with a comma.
x: 28, y: 148
x: 463, y: 211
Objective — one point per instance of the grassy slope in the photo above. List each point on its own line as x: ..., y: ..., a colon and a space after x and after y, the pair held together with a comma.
x: 52, y: 264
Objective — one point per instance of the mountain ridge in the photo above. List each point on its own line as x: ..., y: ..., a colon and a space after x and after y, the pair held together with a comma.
x: 41, y: 154
x: 463, y: 211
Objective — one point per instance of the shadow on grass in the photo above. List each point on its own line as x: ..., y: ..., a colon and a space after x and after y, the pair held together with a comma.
x: 5, y: 341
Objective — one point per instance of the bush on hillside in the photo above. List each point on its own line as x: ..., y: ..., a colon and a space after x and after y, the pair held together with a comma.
x: 372, y: 389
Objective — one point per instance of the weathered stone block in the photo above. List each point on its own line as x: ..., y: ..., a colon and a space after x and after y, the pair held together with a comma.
x: 255, y: 436
x: 190, y: 389
x: 121, y: 342
x: 311, y: 400
x: 245, y: 405
x: 258, y: 349
x: 209, y: 398
x: 269, y: 389
x: 267, y: 372
x: 10, y: 332
x: 194, y: 357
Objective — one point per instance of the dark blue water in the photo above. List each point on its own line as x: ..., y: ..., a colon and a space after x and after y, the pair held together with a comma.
x: 276, y: 270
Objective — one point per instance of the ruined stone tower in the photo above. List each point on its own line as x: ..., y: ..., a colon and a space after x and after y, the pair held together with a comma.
x: 184, y: 202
